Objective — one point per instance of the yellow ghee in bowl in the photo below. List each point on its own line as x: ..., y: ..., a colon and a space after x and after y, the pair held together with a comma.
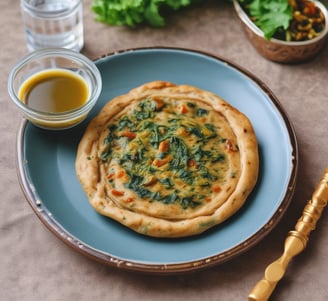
x: 54, y: 91
x: 55, y: 88
x: 56, y: 94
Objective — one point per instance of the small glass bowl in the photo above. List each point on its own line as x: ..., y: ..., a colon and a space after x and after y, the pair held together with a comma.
x: 53, y: 58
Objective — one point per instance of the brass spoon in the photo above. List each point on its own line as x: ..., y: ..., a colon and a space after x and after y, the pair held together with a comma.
x: 295, y: 242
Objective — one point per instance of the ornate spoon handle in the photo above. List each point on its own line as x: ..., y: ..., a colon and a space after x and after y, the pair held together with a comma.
x: 295, y: 242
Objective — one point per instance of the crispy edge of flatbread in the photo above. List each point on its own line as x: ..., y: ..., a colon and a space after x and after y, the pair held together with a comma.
x: 87, y: 167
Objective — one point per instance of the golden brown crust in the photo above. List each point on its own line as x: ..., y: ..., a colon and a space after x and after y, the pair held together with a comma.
x: 155, y: 218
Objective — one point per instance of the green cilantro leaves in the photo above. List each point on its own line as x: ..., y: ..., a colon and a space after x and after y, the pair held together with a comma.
x: 268, y: 15
x: 133, y: 12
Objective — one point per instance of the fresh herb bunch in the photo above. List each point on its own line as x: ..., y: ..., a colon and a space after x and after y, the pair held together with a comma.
x: 270, y: 16
x: 134, y: 12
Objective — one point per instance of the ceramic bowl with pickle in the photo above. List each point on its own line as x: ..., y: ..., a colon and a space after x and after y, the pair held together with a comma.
x: 302, y: 41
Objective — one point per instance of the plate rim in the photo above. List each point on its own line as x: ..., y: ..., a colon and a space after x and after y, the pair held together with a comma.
x: 166, y: 268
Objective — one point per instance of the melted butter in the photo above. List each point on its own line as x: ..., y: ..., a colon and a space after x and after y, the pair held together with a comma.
x: 54, y: 91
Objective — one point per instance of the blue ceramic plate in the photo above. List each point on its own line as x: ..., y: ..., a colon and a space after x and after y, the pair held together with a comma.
x: 46, y: 167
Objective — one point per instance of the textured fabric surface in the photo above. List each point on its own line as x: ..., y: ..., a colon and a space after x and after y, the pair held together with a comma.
x: 35, y: 265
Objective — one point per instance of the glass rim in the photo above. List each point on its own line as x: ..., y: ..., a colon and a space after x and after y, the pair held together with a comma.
x: 51, y: 13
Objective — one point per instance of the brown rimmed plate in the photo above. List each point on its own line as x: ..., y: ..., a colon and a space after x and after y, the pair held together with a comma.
x: 47, y: 174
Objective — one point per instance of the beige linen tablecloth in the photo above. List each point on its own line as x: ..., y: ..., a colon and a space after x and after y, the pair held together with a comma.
x: 35, y: 265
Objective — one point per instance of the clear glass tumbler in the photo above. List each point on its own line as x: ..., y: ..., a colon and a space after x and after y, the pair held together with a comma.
x: 53, y: 23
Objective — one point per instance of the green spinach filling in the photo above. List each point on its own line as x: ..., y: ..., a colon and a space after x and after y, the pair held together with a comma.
x: 175, y: 148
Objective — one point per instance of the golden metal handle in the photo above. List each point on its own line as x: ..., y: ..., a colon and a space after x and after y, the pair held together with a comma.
x: 295, y: 242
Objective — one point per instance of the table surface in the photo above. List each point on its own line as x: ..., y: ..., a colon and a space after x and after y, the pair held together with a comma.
x: 35, y: 265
